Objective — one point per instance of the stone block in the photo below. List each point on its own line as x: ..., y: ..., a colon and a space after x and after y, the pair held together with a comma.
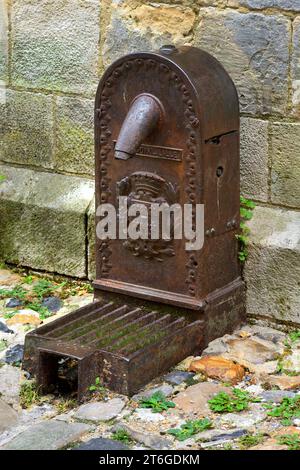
x: 3, y: 47
x: 74, y: 136
x: 254, y: 49
x: 145, y: 28
x: 288, y: 5
x: 55, y: 44
x: 47, y: 435
x: 26, y: 125
x: 285, y: 156
x: 295, y: 68
x: 272, y: 271
x: 254, y: 158
x: 43, y: 220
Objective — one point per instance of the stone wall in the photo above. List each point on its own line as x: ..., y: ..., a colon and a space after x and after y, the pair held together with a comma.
x: 53, y: 53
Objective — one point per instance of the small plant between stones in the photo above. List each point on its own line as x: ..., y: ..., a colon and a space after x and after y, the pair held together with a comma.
x: 97, y: 387
x: 290, y: 440
x: 29, y: 394
x: 190, y: 428
x: 238, y: 400
x: 287, y: 410
x: 250, y: 440
x: 246, y: 212
x: 157, y: 402
x: 122, y: 436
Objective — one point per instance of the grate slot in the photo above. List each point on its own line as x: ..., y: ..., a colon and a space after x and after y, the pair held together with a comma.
x: 121, y: 332
x: 115, y: 324
x: 62, y: 330
x: 156, y: 335
x: 148, y: 328
x: 86, y: 329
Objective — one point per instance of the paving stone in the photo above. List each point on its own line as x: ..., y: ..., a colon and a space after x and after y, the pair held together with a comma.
x: 154, y: 441
x: 145, y: 414
x: 254, y: 350
x: 289, y: 5
x: 48, y: 435
x: 52, y: 303
x: 243, y: 420
x: 10, y: 381
x: 8, y: 278
x: 216, y: 367
x: 178, y: 377
x: 100, y: 443
x: 275, y: 396
x: 254, y: 49
x: 219, y: 435
x: 4, y: 328
x: 284, y: 382
x: 216, y: 347
x: 167, y: 390
x: 100, y: 411
x: 8, y: 417
x: 13, y: 303
x: 14, y: 355
x: 194, y: 399
x: 55, y: 45
x: 25, y: 316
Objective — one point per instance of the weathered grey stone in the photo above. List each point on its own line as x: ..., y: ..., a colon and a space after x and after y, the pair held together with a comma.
x: 254, y: 158
x: 48, y: 435
x: 43, y: 220
x: 55, y: 44
x: 74, y: 137
x: 10, y: 382
x: 145, y: 27
x: 194, y: 400
x: 272, y: 271
x: 289, y: 5
x: 243, y: 420
x: 100, y: 411
x: 8, y: 417
x: 101, y: 443
x: 26, y: 125
x: 276, y: 396
x: 285, y: 154
x: 177, y: 377
x: 167, y: 390
x: 3, y: 47
x: 254, y: 49
x: 14, y: 355
x: 153, y: 441
x: 146, y: 414
x: 295, y: 67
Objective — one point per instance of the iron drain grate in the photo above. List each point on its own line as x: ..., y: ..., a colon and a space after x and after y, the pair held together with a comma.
x: 111, y: 341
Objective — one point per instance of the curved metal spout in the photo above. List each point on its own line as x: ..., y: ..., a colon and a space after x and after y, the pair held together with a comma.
x: 141, y: 119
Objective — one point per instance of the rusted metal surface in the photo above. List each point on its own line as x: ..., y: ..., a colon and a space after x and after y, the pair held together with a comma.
x: 193, y: 150
x: 124, y: 345
x: 142, y: 118
x: 166, y: 130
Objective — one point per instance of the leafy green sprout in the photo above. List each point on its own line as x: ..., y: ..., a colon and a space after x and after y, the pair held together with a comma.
x: 190, y: 428
x: 287, y: 410
x: 157, y: 402
x: 122, y: 436
x: 290, y: 440
x: 237, y: 401
x: 97, y: 386
x: 250, y: 440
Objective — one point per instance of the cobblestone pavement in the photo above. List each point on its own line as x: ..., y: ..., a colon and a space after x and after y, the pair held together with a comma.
x: 243, y: 392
